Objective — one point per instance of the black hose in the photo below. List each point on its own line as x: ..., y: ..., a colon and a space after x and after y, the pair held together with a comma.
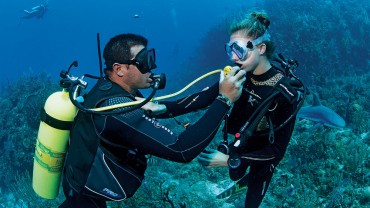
x: 109, y: 113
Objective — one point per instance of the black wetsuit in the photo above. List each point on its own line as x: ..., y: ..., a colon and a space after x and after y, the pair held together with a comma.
x: 261, y: 153
x: 106, y: 157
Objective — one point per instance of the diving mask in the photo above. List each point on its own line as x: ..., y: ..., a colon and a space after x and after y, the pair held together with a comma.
x: 241, y: 49
x: 144, y: 60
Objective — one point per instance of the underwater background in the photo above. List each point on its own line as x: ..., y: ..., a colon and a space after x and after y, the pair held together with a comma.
x: 323, y: 166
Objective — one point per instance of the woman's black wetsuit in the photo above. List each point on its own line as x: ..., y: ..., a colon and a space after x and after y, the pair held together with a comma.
x: 261, y: 153
x: 106, y: 156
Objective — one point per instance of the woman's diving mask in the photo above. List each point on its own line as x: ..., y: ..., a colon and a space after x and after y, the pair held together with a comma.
x: 241, y: 49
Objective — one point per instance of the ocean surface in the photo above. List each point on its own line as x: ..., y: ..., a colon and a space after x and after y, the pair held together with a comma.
x: 323, y: 166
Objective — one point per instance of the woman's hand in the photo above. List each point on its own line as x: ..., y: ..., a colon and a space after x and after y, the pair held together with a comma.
x: 152, y: 108
x: 212, y: 158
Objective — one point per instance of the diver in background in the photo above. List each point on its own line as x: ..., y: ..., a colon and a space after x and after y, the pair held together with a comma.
x: 251, y: 49
x: 36, y: 11
x: 106, y: 155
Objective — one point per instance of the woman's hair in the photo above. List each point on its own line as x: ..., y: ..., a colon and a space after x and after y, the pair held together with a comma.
x: 118, y: 49
x: 254, y: 25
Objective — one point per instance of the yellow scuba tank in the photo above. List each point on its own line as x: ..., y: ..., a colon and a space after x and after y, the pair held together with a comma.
x: 51, y: 145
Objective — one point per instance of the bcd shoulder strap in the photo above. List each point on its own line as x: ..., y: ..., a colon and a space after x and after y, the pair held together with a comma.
x: 287, y: 87
x: 246, y: 131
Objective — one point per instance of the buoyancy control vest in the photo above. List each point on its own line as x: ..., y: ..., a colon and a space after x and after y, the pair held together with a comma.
x: 90, y: 167
x: 277, y: 88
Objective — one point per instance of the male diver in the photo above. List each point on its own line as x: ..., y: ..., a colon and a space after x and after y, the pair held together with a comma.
x: 106, y: 156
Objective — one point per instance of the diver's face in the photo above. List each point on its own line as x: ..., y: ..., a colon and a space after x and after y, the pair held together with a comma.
x: 252, y: 57
x: 137, y: 79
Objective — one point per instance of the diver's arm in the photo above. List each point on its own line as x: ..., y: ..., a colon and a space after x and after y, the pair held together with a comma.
x: 190, y: 103
x: 213, y: 158
x: 152, y: 108
x: 197, y: 101
x: 136, y: 130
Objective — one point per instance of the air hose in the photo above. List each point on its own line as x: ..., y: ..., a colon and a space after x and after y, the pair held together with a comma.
x: 157, y: 98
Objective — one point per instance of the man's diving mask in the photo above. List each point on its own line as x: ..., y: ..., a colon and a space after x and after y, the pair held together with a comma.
x: 144, y: 60
x: 241, y: 50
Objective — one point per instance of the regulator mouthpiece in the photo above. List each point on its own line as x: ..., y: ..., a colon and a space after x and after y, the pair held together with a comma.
x: 227, y: 69
x: 159, y: 81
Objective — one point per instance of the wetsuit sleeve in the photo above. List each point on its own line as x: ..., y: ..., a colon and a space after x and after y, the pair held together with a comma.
x: 190, y: 103
x: 135, y: 130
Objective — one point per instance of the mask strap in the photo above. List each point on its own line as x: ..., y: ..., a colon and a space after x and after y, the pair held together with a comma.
x: 265, y: 37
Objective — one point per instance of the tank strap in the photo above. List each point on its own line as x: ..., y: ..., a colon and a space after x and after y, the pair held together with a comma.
x: 53, y: 122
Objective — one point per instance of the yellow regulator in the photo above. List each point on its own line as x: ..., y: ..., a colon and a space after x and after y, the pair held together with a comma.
x: 51, y: 145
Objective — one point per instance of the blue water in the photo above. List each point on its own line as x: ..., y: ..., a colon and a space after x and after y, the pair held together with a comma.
x: 68, y: 32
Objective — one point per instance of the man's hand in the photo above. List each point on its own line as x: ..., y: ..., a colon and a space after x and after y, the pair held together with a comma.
x: 213, y: 158
x: 231, y: 85
x: 152, y: 108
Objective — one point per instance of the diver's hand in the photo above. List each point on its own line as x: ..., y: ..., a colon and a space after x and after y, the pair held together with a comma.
x: 213, y: 158
x: 152, y: 108
x: 231, y: 85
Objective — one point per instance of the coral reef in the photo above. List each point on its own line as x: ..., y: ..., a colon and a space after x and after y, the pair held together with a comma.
x: 323, y: 167
x: 21, y: 103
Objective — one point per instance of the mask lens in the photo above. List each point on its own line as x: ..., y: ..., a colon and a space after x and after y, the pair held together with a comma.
x: 240, y: 50
x: 151, y: 59
x: 145, y: 60
x: 228, y: 50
